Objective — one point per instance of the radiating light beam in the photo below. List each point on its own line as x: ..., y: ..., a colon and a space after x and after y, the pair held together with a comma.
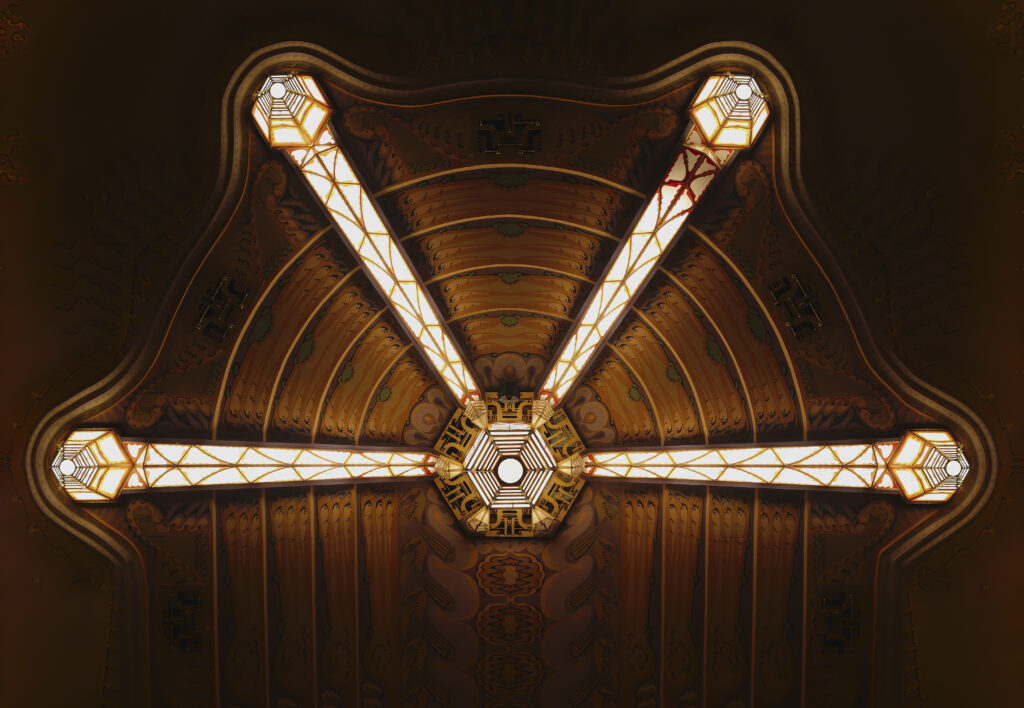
x: 292, y: 113
x: 925, y: 465
x: 94, y: 464
x: 728, y: 115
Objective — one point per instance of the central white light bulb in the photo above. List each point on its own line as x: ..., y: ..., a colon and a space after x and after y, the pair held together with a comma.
x: 510, y: 470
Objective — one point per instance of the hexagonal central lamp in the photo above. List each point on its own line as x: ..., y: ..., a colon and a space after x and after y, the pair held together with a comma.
x: 513, y: 469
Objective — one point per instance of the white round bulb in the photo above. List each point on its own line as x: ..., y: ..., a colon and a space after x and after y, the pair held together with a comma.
x: 954, y: 468
x: 510, y: 470
x: 743, y: 92
x: 67, y: 467
x: 277, y: 90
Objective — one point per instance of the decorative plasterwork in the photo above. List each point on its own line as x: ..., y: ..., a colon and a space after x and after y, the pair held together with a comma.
x: 980, y: 449
x: 509, y: 429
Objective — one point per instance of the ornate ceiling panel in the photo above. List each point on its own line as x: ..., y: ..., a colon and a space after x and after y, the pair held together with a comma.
x: 337, y: 325
x: 510, y: 245
x: 283, y: 337
x: 272, y: 332
x: 510, y: 217
x: 360, y: 380
x: 736, y: 337
x: 614, y: 144
x: 510, y: 209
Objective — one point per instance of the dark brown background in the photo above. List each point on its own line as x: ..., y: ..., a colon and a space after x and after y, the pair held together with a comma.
x: 912, y: 128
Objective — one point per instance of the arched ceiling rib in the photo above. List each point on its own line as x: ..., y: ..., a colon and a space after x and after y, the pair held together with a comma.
x: 509, y: 244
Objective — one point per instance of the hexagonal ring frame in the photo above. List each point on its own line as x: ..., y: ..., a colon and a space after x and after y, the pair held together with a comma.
x: 502, y: 426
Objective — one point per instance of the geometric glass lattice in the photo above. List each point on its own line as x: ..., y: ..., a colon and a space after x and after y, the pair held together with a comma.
x: 511, y: 463
x: 511, y: 472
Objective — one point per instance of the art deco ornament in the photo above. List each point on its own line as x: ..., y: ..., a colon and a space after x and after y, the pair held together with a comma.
x: 290, y: 111
x: 510, y: 463
x: 517, y: 475
x: 730, y: 111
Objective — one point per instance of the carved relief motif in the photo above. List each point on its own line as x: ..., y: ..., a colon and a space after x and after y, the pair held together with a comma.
x: 427, y: 417
x: 686, y: 331
x: 12, y: 147
x: 640, y: 512
x: 522, y: 370
x: 382, y: 655
x: 510, y: 672
x: 777, y: 665
x: 408, y: 380
x: 842, y: 536
x: 441, y: 599
x: 510, y: 574
x: 684, y: 526
x: 241, y: 524
x: 591, y: 417
x: 509, y: 623
x: 855, y: 403
x: 615, y: 388
x: 15, y: 33
x: 178, y: 540
x: 291, y: 646
x: 728, y: 641
x: 771, y: 390
x: 643, y: 353
x: 336, y: 528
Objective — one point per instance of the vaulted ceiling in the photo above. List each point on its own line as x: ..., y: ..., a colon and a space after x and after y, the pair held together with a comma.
x: 509, y: 243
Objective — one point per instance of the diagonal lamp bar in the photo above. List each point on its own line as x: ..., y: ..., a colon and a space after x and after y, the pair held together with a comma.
x: 728, y: 114
x: 95, y: 465
x: 925, y: 465
x: 292, y: 113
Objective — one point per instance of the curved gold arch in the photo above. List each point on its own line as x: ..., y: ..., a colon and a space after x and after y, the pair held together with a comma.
x: 117, y: 551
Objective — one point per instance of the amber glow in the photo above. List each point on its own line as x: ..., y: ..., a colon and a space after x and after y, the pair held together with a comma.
x: 698, y: 163
x: 488, y: 438
x: 332, y: 179
x: 730, y: 111
x: 923, y: 465
x: 95, y: 465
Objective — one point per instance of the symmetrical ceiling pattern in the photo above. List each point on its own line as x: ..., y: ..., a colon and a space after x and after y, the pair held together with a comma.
x: 510, y: 210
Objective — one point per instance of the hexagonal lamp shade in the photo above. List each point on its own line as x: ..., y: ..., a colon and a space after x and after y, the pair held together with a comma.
x: 290, y: 110
x: 517, y: 474
x: 928, y: 465
x: 92, y: 465
x: 729, y: 111
x: 509, y: 463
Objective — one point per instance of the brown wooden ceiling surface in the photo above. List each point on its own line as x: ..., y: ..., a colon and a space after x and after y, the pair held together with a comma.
x: 926, y: 234
x: 372, y: 595
x: 510, y: 244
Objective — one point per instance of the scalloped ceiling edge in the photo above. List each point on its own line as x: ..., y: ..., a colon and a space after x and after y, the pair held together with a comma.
x: 610, y: 90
